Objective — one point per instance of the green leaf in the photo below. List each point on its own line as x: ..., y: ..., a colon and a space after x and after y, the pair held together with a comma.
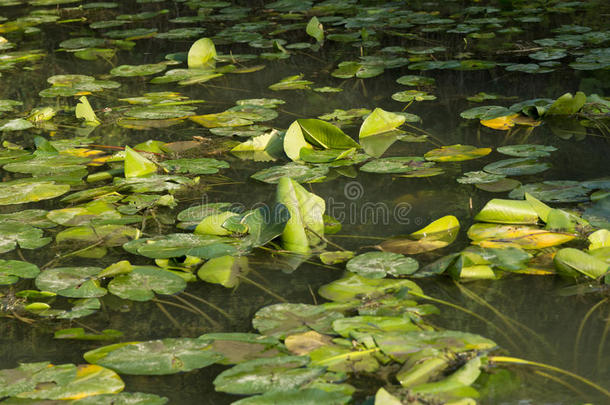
x: 456, y: 153
x: 263, y: 375
x: 224, y: 270
x: 315, y: 29
x: 143, y: 282
x: 572, y: 261
x: 507, y: 212
x: 296, y: 171
x: 26, y: 236
x: 517, y: 167
x: 401, y: 164
x: 306, y: 225
x: 155, y: 357
x: 325, y: 135
x: 344, y: 359
x: 379, y: 122
x: 44, y: 381
x: 195, y: 166
x: 294, y: 141
x: 84, y: 110
x: 526, y: 150
x: 12, y: 270
x: 240, y: 347
x: 380, y: 264
x: 202, y: 54
x: 567, y: 104
x: 137, y: 165
x: 435, y: 235
x: 354, y: 286
x: 281, y: 320
x: 181, y: 244
x: 73, y: 282
x: 80, y: 334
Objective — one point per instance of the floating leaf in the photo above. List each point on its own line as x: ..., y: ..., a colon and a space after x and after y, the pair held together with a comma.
x: 380, y: 264
x: 73, y: 282
x: 181, y: 244
x: 396, y: 165
x: 26, y: 236
x: 155, y: 357
x: 281, y: 320
x: 309, y: 396
x: 44, y: 381
x: 143, y: 282
x: 354, y: 286
x: 456, y: 153
x: 291, y: 83
x: 525, y: 237
x: 407, y: 96
x: 517, y: 167
x: 12, y: 270
x: 414, y: 80
x: 435, y: 235
x: 195, y: 166
x: 526, y: 150
x: 138, y: 70
x: 479, y: 177
x: 567, y: 104
x: 263, y: 375
x: 298, y: 172
x: 558, y: 191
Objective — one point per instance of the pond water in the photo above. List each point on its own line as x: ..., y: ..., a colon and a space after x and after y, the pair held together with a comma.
x: 557, y: 323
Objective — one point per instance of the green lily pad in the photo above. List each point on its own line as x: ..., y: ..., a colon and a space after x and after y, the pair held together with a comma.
x: 407, y: 96
x: 160, y: 112
x: 263, y: 375
x: 344, y: 359
x: 517, y: 167
x: 479, y: 177
x: 12, y: 270
x: 297, y: 172
x: 123, y: 398
x: 195, y: 166
x: 414, y: 80
x: 549, y: 54
x: 281, y: 320
x: 181, y: 244
x: 456, y: 153
x: 486, y: 112
x: 557, y: 191
x: 380, y: 264
x: 526, y: 150
x: 50, y: 164
x: 155, y: 357
x: 396, y: 165
x: 508, y: 212
x: 17, y: 124
x: 138, y: 70
x: 73, y: 282
x: 499, y: 186
x: 44, y: 381
x: 26, y: 236
x: 143, y: 282
x: 354, y: 286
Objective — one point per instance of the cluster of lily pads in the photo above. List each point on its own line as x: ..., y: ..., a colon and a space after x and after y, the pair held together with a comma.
x: 372, y: 328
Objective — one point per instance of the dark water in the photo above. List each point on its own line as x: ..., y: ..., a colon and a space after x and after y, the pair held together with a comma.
x: 534, y: 301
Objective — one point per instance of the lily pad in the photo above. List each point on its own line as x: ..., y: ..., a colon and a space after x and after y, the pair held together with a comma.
x: 143, y: 282
x: 298, y: 172
x: 195, y: 166
x: 354, y: 286
x: 155, y: 357
x: 12, y: 270
x: 380, y: 264
x: 456, y: 153
x: 263, y: 375
x: 281, y: 320
x: 181, y: 244
x: 16, y: 192
x: 557, y: 191
x: 525, y: 150
x: 396, y: 165
x: 73, y: 282
x: 138, y: 70
x: 517, y: 167
x: 26, y: 236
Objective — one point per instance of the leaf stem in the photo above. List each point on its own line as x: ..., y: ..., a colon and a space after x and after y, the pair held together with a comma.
x: 515, y: 360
